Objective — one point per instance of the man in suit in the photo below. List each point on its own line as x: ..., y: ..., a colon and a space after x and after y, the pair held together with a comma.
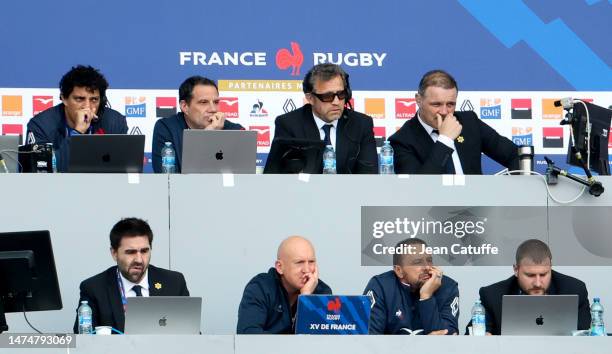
x: 83, y: 110
x: 108, y: 293
x: 533, y: 275
x: 199, y: 102
x: 443, y: 141
x: 415, y: 297
x: 269, y: 302
x: 325, y: 117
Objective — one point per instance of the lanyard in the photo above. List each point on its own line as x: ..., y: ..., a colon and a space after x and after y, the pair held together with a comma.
x: 122, y: 290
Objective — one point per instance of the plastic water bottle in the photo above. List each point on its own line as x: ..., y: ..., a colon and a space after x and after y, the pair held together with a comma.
x: 385, y: 167
x: 53, y: 158
x: 53, y: 161
x: 85, y: 318
x: 329, y: 161
x: 597, y: 321
x: 478, y: 319
x: 168, y: 158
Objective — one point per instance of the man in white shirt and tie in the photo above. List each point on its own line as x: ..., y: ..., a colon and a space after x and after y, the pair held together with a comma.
x: 108, y: 293
x: 443, y: 141
x: 328, y: 116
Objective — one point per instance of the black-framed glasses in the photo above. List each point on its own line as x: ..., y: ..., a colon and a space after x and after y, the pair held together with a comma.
x: 329, y: 96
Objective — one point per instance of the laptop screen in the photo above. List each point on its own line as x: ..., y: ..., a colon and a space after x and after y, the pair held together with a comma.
x: 219, y: 151
x: 108, y: 153
x: 163, y: 315
x: 531, y: 315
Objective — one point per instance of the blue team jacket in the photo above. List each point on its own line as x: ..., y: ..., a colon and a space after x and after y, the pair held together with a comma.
x: 50, y: 126
x: 396, y: 310
x: 265, y: 309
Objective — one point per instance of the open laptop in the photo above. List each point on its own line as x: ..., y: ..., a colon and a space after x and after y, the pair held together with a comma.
x: 8, y: 149
x: 163, y: 315
x: 539, y: 315
x: 106, y: 153
x: 332, y: 314
x: 219, y: 151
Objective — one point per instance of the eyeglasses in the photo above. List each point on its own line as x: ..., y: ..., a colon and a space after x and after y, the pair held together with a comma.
x: 329, y: 96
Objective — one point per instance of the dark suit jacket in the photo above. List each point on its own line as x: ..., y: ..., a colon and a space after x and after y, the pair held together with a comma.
x: 416, y: 153
x: 355, y: 144
x: 171, y: 129
x: 49, y: 126
x: 560, y: 284
x: 104, y: 296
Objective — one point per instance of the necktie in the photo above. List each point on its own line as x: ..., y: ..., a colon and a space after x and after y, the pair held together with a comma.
x: 137, y: 289
x: 326, y: 130
x: 450, y: 167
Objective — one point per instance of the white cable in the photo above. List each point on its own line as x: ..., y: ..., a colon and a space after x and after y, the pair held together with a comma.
x: 16, y: 152
x: 548, y: 187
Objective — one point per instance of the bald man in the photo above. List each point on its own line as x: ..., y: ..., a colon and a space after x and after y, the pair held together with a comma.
x: 269, y: 301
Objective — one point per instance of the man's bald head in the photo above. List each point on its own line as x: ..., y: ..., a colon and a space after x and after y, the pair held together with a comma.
x: 295, y: 262
x: 293, y: 245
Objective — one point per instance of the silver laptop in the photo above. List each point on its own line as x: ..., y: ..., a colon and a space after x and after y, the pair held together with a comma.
x: 219, y: 151
x: 106, y: 153
x: 8, y: 149
x: 163, y: 315
x: 539, y: 315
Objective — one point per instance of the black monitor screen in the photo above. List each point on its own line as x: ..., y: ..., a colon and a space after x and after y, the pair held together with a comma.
x: 28, y: 279
x: 599, y: 119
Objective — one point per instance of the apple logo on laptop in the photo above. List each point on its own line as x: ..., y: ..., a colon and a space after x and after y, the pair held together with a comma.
x: 219, y: 155
x: 162, y: 321
x: 540, y: 320
x: 106, y: 158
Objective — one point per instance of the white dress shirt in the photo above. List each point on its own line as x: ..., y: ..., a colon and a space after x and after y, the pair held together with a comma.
x: 446, y: 141
x: 332, y: 131
x: 128, y: 285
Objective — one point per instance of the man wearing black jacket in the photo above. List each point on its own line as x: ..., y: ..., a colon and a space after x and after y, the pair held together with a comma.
x: 108, y: 293
x: 440, y: 140
x: 325, y: 118
x: 269, y: 302
x: 533, y: 275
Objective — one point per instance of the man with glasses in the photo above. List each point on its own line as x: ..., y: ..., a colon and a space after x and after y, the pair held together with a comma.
x: 325, y: 117
x: 415, y: 297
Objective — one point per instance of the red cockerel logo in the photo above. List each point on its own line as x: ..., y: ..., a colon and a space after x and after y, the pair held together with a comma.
x: 286, y: 59
x: 334, y: 305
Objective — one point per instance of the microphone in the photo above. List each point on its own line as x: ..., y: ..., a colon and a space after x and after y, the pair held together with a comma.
x: 566, y: 102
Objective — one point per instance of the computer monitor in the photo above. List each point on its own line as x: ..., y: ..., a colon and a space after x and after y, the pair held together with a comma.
x: 292, y: 155
x: 28, y: 279
x: 599, y: 119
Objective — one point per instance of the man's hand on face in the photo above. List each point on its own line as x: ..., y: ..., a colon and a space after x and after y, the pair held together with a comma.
x: 449, y: 126
x: 216, y: 121
x: 432, y: 284
x: 311, y: 282
x: 84, y: 118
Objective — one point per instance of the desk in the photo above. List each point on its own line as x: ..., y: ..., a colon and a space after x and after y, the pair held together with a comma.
x: 283, y: 344
x: 220, y: 237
